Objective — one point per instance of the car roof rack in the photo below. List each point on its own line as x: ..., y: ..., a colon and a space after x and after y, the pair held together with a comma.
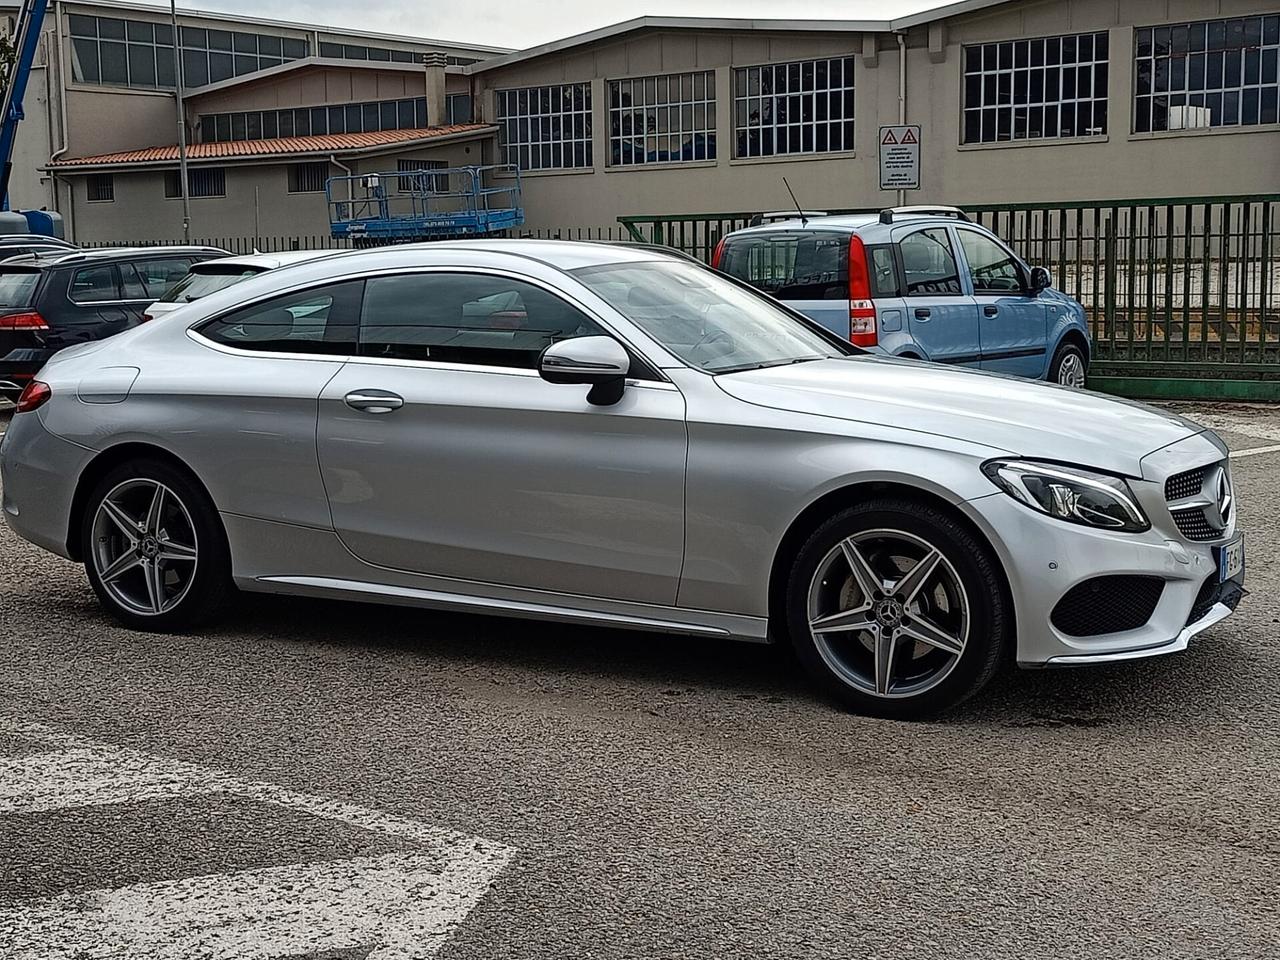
x: 762, y: 218
x: 887, y: 214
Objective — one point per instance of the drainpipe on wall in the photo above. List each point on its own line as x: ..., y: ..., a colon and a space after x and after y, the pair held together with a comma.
x: 350, y: 187
x: 63, y: 135
x: 902, y: 95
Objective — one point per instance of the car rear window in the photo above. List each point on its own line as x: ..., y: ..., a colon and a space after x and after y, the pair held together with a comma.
x: 18, y: 287
x: 205, y: 279
x: 791, y: 266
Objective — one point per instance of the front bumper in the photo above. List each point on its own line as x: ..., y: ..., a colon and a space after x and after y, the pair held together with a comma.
x: 1044, y: 558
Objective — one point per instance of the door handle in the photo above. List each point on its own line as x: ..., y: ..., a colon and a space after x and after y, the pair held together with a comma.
x: 922, y: 313
x: 990, y: 310
x: 373, y: 401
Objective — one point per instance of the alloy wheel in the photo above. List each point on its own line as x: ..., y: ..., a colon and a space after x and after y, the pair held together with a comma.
x: 145, y: 550
x: 888, y: 613
x: 1071, y: 371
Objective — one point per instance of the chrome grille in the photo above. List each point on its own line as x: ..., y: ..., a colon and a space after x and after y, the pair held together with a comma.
x: 1192, y: 525
x: 1183, y: 485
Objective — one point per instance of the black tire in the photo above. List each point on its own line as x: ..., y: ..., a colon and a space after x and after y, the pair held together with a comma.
x: 970, y: 561
x: 1063, y: 357
x: 209, y: 585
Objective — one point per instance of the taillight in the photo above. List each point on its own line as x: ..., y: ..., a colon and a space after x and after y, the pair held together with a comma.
x: 715, y: 257
x: 862, y: 311
x: 146, y: 317
x: 23, y: 321
x: 35, y: 395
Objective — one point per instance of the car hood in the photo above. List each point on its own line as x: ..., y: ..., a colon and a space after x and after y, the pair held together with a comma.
x: 1023, y: 417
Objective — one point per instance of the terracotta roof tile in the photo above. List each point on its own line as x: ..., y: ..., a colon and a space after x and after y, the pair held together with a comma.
x: 248, y: 149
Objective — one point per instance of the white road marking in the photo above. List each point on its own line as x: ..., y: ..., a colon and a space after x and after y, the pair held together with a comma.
x: 1234, y: 423
x: 401, y: 906
x: 1255, y: 451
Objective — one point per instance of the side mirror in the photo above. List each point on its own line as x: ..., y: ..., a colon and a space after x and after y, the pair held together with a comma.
x: 1041, y: 279
x: 599, y: 361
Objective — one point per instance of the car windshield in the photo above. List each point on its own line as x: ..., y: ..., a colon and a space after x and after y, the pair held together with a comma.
x: 707, y: 321
x: 204, y: 282
x: 17, y: 287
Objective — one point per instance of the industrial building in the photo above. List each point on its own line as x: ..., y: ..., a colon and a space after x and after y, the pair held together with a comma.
x: 1016, y: 100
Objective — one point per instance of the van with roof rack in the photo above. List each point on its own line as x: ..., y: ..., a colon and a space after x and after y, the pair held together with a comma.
x: 918, y: 282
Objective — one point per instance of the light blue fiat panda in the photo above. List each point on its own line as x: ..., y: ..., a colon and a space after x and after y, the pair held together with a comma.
x: 919, y: 282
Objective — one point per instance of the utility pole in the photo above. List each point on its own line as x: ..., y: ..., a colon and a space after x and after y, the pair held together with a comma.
x: 182, y: 124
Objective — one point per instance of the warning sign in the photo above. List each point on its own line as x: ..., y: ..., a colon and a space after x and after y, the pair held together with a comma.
x: 900, y: 158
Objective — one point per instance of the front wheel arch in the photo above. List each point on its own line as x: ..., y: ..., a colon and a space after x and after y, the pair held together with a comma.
x: 102, y: 464
x: 816, y: 513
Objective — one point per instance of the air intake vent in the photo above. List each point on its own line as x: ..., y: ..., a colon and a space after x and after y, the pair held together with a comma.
x: 1107, y: 605
x: 1183, y: 485
x: 1192, y: 525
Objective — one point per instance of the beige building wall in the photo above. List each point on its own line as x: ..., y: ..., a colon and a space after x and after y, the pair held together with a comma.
x: 1118, y: 165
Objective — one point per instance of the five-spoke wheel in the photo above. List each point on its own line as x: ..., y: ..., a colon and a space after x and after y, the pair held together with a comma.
x: 153, y: 548
x: 897, y: 607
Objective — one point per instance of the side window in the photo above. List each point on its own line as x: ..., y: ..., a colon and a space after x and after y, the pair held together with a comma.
x: 94, y: 284
x: 319, y: 320
x: 884, y: 275
x: 992, y: 268
x: 465, y: 318
x: 929, y: 264
x: 159, y: 275
x: 131, y: 283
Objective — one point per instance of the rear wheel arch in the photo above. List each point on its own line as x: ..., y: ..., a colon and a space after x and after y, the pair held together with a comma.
x: 104, y: 463
x: 816, y: 513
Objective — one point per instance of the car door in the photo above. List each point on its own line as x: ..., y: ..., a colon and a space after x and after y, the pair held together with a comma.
x: 1011, y: 318
x: 941, y: 316
x: 445, y: 453
x: 84, y: 303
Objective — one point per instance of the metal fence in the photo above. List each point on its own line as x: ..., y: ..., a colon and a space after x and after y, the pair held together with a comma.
x: 1185, y: 287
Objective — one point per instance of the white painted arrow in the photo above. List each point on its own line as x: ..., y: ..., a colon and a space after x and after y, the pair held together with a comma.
x: 400, y: 906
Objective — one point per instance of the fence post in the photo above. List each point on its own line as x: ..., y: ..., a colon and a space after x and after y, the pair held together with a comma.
x: 1109, y: 279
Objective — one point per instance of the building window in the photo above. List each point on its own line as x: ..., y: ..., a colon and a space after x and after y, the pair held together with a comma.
x: 1210, y: 73
x: 308, y: 177
x: 205, y: 182
x: 1040, y: 89
x: 101, y: 187
x: 457, y: 106
x: 662, y: 119
x: 546, y: 128
x: 800, y: 107
x: 139, y: 53
x: 346, y: 51
x: 406, y: 114
x: 422, y: 182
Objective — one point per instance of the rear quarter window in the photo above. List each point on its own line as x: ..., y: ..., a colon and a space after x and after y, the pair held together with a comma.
x: 18, y: 287
x: 791, y: 266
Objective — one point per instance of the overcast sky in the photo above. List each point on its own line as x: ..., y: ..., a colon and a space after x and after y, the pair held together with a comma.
x: 510, y: 23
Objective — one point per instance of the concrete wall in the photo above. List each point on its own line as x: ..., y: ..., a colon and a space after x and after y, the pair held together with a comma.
x: 320, y: 86
x: 1118, y: 165
x: 141, y: 212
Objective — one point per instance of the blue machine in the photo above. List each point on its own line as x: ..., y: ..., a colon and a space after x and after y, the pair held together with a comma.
x: 433, y: 204
x: 27, y: 37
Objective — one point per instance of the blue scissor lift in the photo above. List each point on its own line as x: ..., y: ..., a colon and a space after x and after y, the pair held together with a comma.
x: 429, y: 204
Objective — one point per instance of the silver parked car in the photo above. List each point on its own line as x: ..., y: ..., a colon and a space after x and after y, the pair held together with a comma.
x: 610, y: 435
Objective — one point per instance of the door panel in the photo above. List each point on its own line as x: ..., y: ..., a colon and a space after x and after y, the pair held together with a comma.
x: 498, y: 476
x: 942, y: 319
x: 1011, y: 319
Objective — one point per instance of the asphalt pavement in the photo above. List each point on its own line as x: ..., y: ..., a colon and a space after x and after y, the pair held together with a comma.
x: 330, y: 781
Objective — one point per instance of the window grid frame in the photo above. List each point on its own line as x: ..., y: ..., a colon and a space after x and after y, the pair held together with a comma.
x: 94, y: 185
x: 208, y: 175
x: 510, y: 114
x: 141, y: 35
x: 1020, y: 65
x: 1146, y: 97
x: 651, y: 113
x: 822, y: 129
x: 265, y: 119
x: 307, y: 176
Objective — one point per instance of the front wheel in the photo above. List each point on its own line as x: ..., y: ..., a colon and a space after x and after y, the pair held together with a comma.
x: 896, y: 609
x: 153, y: 548
x: 1069, y: 367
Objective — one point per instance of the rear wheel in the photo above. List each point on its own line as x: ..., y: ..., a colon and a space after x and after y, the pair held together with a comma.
x: 154, y: 549
x: 896, y: 609
x: 1069, y: 367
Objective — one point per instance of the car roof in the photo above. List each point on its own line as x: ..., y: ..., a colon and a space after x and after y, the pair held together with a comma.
x: 561, y: 254
x: 869, y: 226
x: 267, y: 261
x: 22, y: 239
x: 58, y: 258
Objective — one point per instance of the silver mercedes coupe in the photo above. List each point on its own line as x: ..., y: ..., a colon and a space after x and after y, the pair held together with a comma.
x: 607, y: 435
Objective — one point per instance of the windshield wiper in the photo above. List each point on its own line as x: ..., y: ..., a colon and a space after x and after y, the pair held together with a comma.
x: 766, y: 364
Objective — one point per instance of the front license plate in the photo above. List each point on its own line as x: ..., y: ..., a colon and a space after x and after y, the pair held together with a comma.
x: 1231, y: 561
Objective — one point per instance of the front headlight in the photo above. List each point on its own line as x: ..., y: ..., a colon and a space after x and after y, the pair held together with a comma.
x: 1069, y: 493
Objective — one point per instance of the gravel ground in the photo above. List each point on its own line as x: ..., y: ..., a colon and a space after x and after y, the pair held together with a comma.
x: 677, y: 798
